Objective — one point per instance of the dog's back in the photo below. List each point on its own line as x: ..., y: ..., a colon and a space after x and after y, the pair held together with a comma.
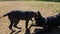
x: 20, y: 14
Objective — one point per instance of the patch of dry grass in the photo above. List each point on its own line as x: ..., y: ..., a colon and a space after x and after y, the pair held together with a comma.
x: 46, y: 9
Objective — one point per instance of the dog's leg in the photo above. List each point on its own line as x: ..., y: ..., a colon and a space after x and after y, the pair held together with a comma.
x: 26, y: 26
x: 10, y: 27
x: 16, y: 23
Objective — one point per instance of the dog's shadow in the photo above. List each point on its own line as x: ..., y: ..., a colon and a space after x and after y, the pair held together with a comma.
x: 27, y: 31
x: 12, y: 32
x: 16, y: 32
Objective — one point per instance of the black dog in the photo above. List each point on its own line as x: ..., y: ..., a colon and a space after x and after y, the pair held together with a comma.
x: 48, y: 23
x: 53, y: 22
x: 15, y: 16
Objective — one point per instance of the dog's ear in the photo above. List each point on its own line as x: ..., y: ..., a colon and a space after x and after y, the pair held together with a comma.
x: 38, y: 11
x: 39, y: 14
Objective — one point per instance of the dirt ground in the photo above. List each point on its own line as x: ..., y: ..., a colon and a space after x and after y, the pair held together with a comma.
x: 46, y: 9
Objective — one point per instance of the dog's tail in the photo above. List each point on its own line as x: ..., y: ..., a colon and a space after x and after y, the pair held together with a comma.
x: 3, y: 16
